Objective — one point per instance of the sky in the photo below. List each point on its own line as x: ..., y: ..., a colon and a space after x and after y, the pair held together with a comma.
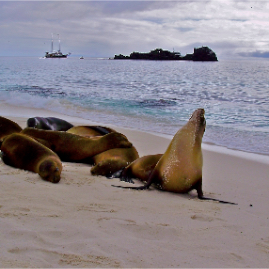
x: 231, y: 28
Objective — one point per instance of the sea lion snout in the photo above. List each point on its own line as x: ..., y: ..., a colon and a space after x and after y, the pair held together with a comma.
x: 50, y: 171
x: 202, y: 117
x: 198, y: 120
x: 198, y: 115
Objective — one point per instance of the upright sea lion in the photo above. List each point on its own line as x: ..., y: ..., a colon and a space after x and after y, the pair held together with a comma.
x: 180, y: 168
x: 24, y: 152
x: 90, y: 131
x: 8, y: 126
x: 113, y: 160
x: 140, y: 168
x: 49, y: 123
x: 77, y: 148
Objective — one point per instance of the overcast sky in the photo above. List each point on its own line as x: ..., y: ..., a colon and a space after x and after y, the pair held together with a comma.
x: 106, y: 28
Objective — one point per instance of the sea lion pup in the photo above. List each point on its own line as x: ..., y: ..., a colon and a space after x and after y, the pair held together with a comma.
x: 49, y: 123
x: 140, y: 168
x: 90, y: 131
x: 24, y: 152
x: 8, y: 126
x: 75, y: 148
x: 111, y: 161
x: 180, y: 168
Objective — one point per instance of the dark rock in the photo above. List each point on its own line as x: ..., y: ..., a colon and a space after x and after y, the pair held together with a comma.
x: 200, y: 54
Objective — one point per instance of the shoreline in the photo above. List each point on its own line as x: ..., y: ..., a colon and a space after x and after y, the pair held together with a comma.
x: 84, y: 222
x: 264, y: 158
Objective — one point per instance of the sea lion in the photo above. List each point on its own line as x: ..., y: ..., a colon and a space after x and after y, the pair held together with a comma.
x: 8, y: 126
x: 90, y: 131
x: 75, y: 148
x: 109, y: 162
x: 49, y: 123
x: 140, y: 168
x: 180, y: 168
x: 21, y: 151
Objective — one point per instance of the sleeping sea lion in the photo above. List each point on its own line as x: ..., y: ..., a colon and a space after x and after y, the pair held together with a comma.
x: 180, y: 168
x: 24, y: 152
x: 75, y: 148
x: 109, y: 162
x: 90, y: 131
x: 140, y: 168
x: 8, y: 126
x: 49, y: 123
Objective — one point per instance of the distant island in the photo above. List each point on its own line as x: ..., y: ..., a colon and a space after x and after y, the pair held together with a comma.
x: 199, y: 54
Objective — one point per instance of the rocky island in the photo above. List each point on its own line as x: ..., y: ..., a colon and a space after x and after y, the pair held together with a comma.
x: 199, y: 54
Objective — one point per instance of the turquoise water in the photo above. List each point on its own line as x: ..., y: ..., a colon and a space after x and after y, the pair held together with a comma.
x: 155, y: 96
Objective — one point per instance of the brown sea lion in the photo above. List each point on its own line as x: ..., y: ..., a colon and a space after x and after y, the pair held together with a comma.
x: 140, y: 168
x: 109, y: 162
x: 75, y: 148
x: 90, y: 131
x: 49, y: 123
x: 8, y: 126
x: 180, y: 168
x: 24, y: 152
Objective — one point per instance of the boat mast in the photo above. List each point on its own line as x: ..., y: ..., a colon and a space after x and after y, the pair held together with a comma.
x: 52, y: 42
x: 59, y: 42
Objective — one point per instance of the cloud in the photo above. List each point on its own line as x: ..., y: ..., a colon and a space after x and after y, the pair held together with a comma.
x: 105, y: 28
x: 258, y: 54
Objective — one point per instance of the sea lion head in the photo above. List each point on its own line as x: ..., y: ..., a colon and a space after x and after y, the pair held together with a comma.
x: 198, y: 119
x: 118, y: 140
x: 50, y: 171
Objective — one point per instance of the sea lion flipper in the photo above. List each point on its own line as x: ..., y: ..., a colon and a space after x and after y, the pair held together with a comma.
x: 144, y: 187
x: 126, y: 179
x: 118, y: 174
x: 151, y: 179
x: 217, y: 200
x: 125, y: 176
x: 198, y: 187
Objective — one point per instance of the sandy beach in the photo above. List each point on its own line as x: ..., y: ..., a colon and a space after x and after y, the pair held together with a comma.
x: 84, y: 222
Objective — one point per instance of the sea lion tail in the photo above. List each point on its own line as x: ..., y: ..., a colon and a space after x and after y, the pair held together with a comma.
x: 217, y: 200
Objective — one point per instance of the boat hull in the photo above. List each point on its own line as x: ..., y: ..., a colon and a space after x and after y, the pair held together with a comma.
x: 53, y: 56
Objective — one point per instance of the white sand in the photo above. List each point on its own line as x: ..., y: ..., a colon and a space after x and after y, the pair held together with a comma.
x: 84, y: 222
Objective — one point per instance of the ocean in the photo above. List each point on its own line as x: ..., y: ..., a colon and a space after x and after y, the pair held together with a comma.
x: 151, y: 96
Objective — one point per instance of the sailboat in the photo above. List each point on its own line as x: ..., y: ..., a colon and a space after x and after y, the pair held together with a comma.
x: 58, y: 53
